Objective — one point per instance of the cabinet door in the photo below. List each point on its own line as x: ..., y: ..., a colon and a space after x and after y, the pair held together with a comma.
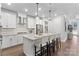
x: 5, y: 42
x: 14, y: 40
x: 11, y: 21
x: 20, y: 39
x: 8, y: 20
x: 31, y: 23
x: 4, y: 20
x: 8, y: 41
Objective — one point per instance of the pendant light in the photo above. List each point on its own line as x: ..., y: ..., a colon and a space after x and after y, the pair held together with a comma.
x: 50, y: 18
x: 37, y: 17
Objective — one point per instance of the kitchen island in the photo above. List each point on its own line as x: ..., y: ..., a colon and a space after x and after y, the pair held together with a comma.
x: 30, y: 40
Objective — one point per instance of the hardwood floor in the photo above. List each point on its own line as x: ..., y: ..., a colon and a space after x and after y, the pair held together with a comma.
x: 68, y: 48
x: 13, y: 51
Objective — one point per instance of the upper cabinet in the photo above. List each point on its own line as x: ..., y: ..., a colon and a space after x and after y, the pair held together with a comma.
x: 22, y: 19
x: 0, y: 10
x: 8, y: 20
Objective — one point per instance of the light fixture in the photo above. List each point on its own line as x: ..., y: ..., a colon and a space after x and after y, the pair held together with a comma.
x: 39, y: 9
x: 50, y: 18
x: 37, y: 17
x: 36, y: 13
x: 55, y: 14
x: 26, y: 10
x: 9, y: 3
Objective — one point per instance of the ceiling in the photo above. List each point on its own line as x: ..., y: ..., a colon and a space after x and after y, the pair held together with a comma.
x: 70, y: 9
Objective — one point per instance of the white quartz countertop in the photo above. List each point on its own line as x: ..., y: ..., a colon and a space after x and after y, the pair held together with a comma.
x: 15, y: 33
x: 8, y: 34
x: 35, y: 37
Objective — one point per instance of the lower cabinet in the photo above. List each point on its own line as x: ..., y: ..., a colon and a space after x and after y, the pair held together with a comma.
x: 20, y: 39
x: 5, y: 42
x: 11, y: 40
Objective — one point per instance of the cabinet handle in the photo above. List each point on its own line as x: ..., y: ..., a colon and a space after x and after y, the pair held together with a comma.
x: 11, y: 39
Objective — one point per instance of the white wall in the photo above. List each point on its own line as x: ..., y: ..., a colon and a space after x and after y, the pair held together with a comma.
x: 0, y: 11
x: 57, y: 26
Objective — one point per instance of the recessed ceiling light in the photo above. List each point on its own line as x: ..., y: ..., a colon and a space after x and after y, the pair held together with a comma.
x: 36, y: 13
x: 26, y: 10
x: 55, y: 14
x: 9, y: 3
x: 37, y: 17
x: 39, y: 9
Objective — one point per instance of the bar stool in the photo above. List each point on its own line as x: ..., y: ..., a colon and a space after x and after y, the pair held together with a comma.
x: 59, y: 42
x: 56, y: 45
x: 42, y: 41
x: 43, y: 51
x: 51, y: 47
x: 0, y: 45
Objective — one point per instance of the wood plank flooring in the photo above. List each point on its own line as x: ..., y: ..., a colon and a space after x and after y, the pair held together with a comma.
x: 13, y: 51
x: 68, y: 48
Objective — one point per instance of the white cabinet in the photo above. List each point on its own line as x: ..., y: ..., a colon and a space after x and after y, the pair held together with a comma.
x: 8, y: 20
x: 22, y: 19
x: 4, y: 20
x: 15, y: 40
x: 8, y: 41
x: 11, y: 21
x: 20, y: 39
x: 11, y: 40
x: 5, y: 42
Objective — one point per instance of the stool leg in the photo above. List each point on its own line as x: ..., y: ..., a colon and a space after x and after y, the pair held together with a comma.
x: 35, y: 50
x: 53, y: 46
x: 41, y: 48
x: 47, y: 48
